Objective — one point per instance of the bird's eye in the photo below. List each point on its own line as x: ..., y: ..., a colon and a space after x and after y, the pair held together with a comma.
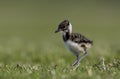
x: 63, y: 26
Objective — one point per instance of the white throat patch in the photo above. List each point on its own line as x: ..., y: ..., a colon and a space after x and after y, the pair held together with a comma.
x: 70, y: 27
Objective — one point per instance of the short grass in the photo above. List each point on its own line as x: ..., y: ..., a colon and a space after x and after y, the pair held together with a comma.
x: 31, y: 62
x: 29, y: 49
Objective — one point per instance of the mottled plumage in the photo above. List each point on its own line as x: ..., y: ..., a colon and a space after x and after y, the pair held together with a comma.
x: 75, y: 42
x: 78, y: 38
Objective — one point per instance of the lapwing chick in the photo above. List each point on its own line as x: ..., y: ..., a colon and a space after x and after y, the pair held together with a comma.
x: 75, y: 42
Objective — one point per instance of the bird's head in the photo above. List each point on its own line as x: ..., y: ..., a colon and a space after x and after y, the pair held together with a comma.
x: 64, y: 26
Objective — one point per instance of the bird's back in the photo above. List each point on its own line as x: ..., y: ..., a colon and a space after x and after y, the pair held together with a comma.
x: 78, y: 38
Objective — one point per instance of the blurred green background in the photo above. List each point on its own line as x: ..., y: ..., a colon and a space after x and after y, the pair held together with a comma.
x: 28, y: 26
x: 27, y: 36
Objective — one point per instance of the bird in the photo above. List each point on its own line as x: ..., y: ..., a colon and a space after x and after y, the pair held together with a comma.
x: 75, y: 42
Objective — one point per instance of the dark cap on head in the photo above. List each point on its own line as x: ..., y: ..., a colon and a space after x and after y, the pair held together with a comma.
x: 63, y: 26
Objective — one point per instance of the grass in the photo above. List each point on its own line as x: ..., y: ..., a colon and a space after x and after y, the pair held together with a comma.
x: 31, y: 60
x: 30, y: 49
x: 42, y: 71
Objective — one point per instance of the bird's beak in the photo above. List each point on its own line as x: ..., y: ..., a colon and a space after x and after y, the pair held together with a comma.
x: 57, y: 31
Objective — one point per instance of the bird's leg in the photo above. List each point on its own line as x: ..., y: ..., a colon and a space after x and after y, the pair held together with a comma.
x: 84, y: 55
x: 77, y: 62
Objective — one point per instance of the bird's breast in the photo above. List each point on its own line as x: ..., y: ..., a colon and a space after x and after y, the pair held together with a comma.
x: 73, y: 47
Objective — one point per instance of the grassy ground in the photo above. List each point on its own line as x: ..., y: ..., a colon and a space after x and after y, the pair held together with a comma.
x: 30, y: 49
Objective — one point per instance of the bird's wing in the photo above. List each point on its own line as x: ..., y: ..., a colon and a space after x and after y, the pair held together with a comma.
x: 78, y: 38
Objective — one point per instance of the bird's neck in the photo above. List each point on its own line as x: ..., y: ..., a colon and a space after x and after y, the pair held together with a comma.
x: 67, y: 33
x: 66, y: 36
